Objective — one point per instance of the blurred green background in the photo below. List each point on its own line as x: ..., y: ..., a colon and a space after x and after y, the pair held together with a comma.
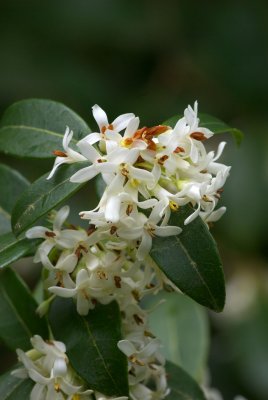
x: 153, y: 58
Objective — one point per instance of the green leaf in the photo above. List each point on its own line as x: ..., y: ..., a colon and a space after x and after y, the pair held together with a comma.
x: 19, y: 321
x: 91, y: 343
x: 11, y: 248
x: 183, y: 331
x: 12, y: 184
x: 191, y: 260
x: 33, y: 128
x: 12, y: 388
x: 212, y: 123
x: 42, y: 196
x: 182, y: 386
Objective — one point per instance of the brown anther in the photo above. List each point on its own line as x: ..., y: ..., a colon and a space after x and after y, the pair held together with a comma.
x: 220, y: 190
x: 140, y: 159
x: 94, y: 301
x: 136, y: 295
x: 217, y: 195
x: 102, y: 274
x: 117, y: 282
x: 78, y: 251
x: 50, y: 234
x: 132, y: 371
x: 179, y: 150
x: 113, y: 229
x: 162, y: 159
x: 151, y: 145
x: 206, y: 199
x: 103, y: 129
x: 59, y: 277
x: 100, y: 161
x: 129, y: 209
x: 134, y: 360
x: 149, y: 334
x: 150, y: 286
x: 57, y: 387
x: 198, y: 136
x: 204, y: 171
x: 157, y: 130
x: 139, y: 133
x: 91, y: 229
x: 138, y: 319
x: 59, y: 153
x: 124, y: 172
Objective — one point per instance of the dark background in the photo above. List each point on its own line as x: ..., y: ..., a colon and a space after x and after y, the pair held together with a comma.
x: 153, y: 58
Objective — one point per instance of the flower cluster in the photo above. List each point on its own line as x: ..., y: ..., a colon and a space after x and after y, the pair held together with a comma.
x: 148, y: 173
x: 48, y: 366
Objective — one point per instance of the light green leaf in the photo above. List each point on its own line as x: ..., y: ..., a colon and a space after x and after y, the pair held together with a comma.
x: 91, y: 343
x: 183, y: 331
x: 11, y: 248
x: 12, y: 388
x: 182, y: 386
x: 191, y: 260
x: 33, y: 128
x: 212, y: 123
x: 42, y: 196
x: 19, y: 321
x: 12, y: 184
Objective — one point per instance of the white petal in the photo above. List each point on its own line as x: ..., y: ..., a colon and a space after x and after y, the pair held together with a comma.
x: 144, y: 247
x: 85, y: 174
x: 112, y: 210
x: 132, y: 127
x: 62, y: 292
x: 60, y: 218
x: 37, y: 232
x: 89, y: 151
x: 92, y: 138
x: 83, y: 304
x: 68, y: 135
x: 100, y: 116
x: 141, y: 174
x: 38, y: 392
x: 192, y: 216
x: 167, y: 230
x: 59, y: 368
x: 122, y: 121
x: 126, y: 347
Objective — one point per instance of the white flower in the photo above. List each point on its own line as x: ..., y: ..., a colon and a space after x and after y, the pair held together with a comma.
x: 107, y: 130
x: 69, y: 156
x: 48, y: 369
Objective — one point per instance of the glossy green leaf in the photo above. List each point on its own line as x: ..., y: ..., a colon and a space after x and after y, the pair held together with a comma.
x: 12, y: 184
x: 42, y: 196
x: 191, y: 260
x: 212, y: 123
x: 19, y: 321
x: 12, y: 388
x: 183, y: 331
x: 182, y: 386
x: 91, y: 343
x: 33, y: 128
x: 11, y: 248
